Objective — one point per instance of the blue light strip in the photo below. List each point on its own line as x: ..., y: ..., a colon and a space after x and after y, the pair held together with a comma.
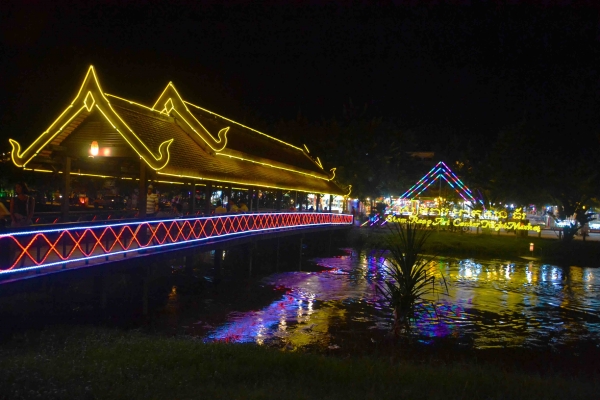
x: 137, y: 225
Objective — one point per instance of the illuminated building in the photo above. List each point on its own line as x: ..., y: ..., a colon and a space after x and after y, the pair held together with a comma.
x: 173, y: 141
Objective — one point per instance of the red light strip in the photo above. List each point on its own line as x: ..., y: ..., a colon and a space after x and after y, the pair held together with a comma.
x: 42, y: 248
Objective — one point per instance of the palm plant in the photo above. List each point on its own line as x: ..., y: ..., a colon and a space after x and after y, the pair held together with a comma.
x: 411, y: 280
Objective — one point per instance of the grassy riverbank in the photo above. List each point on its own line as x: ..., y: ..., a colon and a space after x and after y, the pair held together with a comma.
x: 88, y: 363
x: 504, y: 247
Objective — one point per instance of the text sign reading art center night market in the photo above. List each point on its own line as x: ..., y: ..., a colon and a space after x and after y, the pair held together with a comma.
x: 459, y: 223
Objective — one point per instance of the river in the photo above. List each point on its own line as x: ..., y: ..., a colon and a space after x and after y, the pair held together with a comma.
x: 488, y: 304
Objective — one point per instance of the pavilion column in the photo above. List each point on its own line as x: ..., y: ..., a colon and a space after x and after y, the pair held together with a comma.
x: 300, y: 200
x: 250, y: 199
x: 279, y: 199
x: 318, y: 205
x: 142, y: 189
x: 208, y: 190
x: 192, y: 207
x: 66, y: 189
x: 228, y: 194
x: 330, y: 202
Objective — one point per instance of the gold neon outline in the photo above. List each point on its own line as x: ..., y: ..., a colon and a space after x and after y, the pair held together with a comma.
x: 174, y: 102
x: 162, y: 149
x: 169, y: 106
x: 242, y: 125
x: 20, y: 159
x: 276, y: 166
x: 307, y: 151
x: 319, y: 163
x: 236, y: 182
x: 85, y: 101
x: 131, y: 102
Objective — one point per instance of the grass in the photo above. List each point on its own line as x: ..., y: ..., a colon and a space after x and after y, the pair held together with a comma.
x: 505, y: 247
x: 90, y: 363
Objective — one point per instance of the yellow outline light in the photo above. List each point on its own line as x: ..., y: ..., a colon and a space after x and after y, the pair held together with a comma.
x: 319, y: 163
x: 174, y: 102
x: 275, y: 166
x: 308, y: 151
x: 92, y: 101
x: 130, y: 102
x: 238, y: 183
x: 20, y: 159
x: 242, y: 125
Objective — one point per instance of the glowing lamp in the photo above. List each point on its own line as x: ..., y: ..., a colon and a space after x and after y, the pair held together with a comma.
x: 531, y: 247
x: 94, y: 148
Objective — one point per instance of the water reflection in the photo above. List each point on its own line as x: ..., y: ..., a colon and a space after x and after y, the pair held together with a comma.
x: 490, y: 304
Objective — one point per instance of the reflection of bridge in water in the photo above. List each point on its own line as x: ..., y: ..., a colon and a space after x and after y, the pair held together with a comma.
x: 42, y: 250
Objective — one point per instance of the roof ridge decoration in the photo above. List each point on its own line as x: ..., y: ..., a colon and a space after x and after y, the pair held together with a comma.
x: 440, y: 171
x: 170, y: 101
x: 90, y: 97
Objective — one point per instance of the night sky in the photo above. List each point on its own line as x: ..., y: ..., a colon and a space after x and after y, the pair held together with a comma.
x: 468, y: 70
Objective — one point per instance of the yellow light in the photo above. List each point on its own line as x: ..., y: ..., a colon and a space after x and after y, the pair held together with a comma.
x: 319, y: 163
x: 308, y: 151
x: 244, y: 126
x: 276, y: 166
x: 531, y: 247
x: 94, y: 98
x: 94, y: 149
x: 241, y: 183
x: 171, y: 101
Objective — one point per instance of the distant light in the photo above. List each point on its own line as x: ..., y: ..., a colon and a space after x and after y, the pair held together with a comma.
x: 106, y: 152
x: 94, y: 148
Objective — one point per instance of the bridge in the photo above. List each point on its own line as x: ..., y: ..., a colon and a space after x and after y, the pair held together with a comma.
x: 41, y: 250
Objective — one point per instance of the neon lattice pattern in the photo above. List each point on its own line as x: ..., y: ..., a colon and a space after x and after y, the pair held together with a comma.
x: 75, y: 246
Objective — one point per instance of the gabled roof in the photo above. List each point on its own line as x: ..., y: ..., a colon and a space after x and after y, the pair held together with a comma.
x: 440, y: 171
x: 177, y: 138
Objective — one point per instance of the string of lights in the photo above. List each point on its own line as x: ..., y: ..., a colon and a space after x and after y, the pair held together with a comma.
x: 51, y: 247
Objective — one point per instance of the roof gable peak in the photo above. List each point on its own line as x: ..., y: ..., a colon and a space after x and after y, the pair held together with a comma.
x: 90, y: 98
x: 171, y: 103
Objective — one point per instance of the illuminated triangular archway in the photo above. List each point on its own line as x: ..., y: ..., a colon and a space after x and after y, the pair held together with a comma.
x: 440, y: 171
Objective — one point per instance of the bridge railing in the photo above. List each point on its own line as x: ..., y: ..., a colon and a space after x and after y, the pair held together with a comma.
x: 61, y: 246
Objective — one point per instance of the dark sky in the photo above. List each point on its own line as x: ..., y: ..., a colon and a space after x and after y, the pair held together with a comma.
x: 471, y: 69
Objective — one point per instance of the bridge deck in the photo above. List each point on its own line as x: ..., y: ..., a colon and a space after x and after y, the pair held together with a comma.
x: 44, y: 249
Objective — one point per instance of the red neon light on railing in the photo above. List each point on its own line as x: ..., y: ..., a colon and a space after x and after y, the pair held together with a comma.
x: 61, y: 246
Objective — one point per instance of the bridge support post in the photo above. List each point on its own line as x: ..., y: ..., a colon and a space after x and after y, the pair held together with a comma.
x: 277, y: 257
x: 189, y: 262
x: 249, y: 257
x: 318, y: 205
x: 330, y: 201
x: 300, y: 255
x: 145, y: 287
x: 100, y: 294
x: 66, y: 189
x: 217, y: 265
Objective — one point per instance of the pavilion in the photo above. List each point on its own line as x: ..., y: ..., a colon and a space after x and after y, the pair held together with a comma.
x: 171, y: 142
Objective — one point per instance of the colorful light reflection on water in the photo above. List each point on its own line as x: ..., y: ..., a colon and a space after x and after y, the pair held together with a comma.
x: 490, y: 304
